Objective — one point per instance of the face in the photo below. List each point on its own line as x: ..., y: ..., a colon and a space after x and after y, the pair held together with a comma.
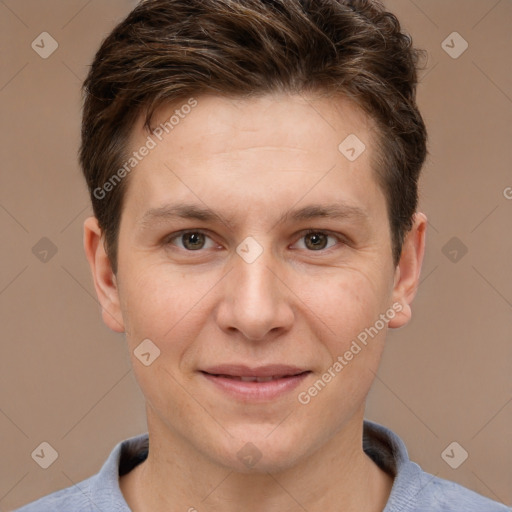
x: 253, y: 253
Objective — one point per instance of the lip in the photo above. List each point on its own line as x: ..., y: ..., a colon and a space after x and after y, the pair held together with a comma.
x: 240, y: 370
x: 226, y: 378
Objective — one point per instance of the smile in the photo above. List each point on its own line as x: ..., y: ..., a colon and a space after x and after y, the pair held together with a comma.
x: 262, y: 384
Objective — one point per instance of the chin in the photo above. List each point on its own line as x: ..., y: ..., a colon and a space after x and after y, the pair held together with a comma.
x: 262, y: 449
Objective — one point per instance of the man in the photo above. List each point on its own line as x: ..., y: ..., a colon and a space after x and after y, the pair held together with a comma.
x: 253, y: 169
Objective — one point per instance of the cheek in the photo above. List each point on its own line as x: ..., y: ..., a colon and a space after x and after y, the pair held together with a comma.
x: 345, y: 303
x: 158, y: 301
x: 164, y: 307
x: 348, y: 305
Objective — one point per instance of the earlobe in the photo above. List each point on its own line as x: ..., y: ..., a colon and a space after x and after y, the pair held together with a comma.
x: 104, y: 279
x: 408, y: 271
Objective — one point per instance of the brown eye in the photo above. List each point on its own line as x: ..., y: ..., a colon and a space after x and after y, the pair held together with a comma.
x: 190, y: 240
x: 193, y: 240
x: 316, y: 240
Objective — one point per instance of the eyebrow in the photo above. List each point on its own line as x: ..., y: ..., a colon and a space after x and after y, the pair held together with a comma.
x: 197, y: 212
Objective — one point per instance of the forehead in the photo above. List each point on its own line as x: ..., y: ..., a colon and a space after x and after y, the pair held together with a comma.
x: 273, y: 146
x: 221, y: 123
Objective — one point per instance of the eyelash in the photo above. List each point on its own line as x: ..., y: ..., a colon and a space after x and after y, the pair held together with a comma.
x: 168, y: 240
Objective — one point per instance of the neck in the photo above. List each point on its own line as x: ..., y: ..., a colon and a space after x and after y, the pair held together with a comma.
x: 337, y: 476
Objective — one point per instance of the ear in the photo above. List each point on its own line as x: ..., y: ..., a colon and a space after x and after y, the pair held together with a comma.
x: 407, y: 273
x: 104, y: 279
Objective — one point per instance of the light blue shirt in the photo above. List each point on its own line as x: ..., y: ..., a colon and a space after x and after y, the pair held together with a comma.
x: 413, y: 489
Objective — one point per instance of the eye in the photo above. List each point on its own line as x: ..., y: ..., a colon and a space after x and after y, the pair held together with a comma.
x: 195, y: 240
x: 190, y: 240
x: 317, y: 240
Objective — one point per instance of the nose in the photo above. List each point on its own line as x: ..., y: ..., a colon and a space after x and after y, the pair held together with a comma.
x: 256, y: 300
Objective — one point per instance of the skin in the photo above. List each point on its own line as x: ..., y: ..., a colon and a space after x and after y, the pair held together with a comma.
x: 251, y: 161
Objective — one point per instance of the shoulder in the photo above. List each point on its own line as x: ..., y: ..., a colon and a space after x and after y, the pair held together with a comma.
x: 101, y: 491
x: 448, y: 496
x: 428, y: 492
x: 75, y: 498
x: 415, y: 490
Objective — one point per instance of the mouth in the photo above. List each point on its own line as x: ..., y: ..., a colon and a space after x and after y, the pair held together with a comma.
x: 261, y: 384
x: 254, y: 379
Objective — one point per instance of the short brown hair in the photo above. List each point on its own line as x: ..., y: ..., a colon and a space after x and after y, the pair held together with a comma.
x: 167, y: 50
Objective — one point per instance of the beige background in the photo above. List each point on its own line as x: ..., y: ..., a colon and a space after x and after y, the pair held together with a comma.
x: 66, y: 379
